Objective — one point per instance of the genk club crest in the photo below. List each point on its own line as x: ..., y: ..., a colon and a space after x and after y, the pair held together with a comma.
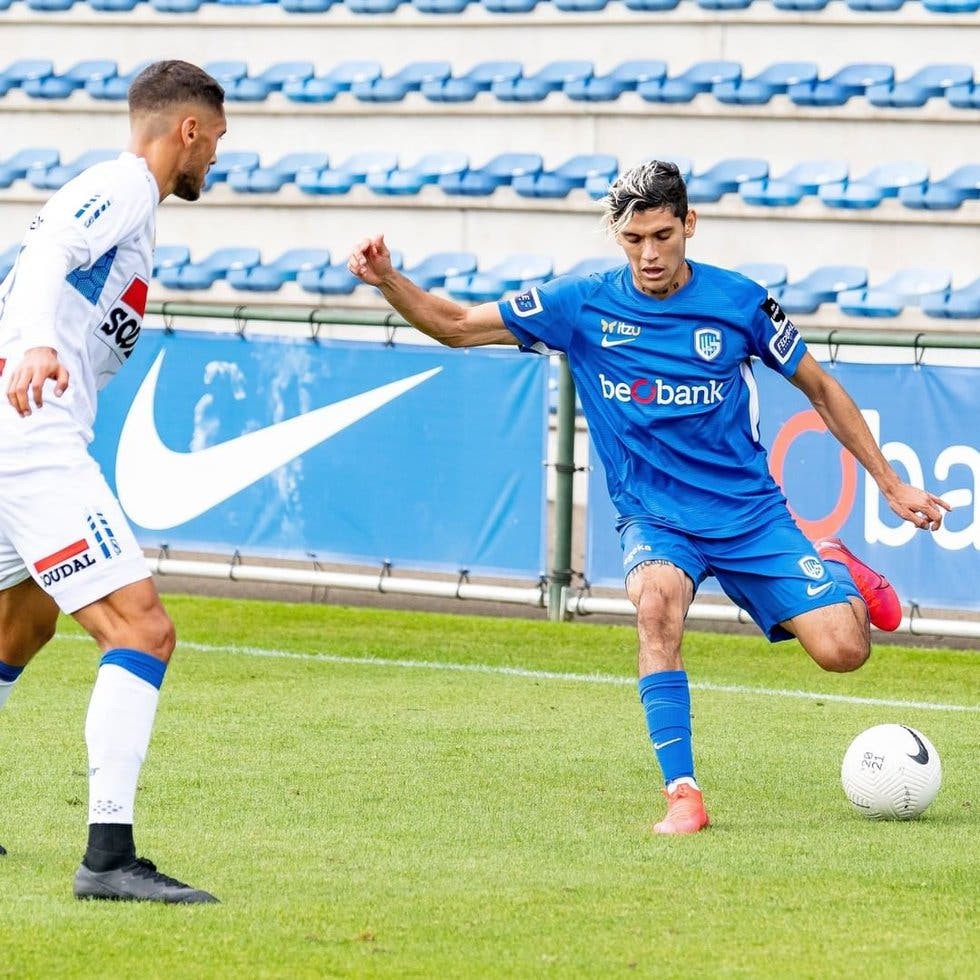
x: 811, y: 567
x: 707, y: 342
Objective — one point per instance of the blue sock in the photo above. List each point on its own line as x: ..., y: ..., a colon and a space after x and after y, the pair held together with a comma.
x: 666, y: 699
x: 8, y: 675
x: 144, y: 666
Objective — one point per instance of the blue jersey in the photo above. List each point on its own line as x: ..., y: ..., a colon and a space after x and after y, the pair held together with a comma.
x: 667, y: 389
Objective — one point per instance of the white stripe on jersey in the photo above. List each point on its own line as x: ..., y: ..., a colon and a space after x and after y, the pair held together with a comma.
x: 749, y: 378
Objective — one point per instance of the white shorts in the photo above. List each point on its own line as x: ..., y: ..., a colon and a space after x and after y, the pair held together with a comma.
x: 61, y: 525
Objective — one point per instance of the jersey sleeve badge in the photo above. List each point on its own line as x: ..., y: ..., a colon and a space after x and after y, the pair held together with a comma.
x: 786, y: 336
x: 527, y: 303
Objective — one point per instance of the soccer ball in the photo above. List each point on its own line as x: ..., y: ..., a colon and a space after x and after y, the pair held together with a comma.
x: 891, y: 772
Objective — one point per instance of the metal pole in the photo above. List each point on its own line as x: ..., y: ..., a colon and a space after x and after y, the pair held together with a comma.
x: 561, y: 572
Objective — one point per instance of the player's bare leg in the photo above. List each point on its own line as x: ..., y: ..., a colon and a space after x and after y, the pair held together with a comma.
x: 662, y: 594
x: 838, y: 637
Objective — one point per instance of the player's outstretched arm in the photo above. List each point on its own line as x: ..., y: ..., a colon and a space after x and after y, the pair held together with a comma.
x: 844, y: 419
x: 440, y: 318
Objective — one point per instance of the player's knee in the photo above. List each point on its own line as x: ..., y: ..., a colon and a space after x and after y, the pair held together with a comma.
x: 842, y: 656
x: 160, y: 635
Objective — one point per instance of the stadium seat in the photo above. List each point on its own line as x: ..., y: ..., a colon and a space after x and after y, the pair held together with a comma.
x: 61, y: 86
x: 499, y: 171
x: 510, y: 6
x: 480, y: 78
x: 433, y: 271
x: 759, y: 89
x: 7, y: 259
x: 226, y: 72
x: 373, y: 6
x: 885, y: 180
x: 308, y: 6
x: 270, y: 278
x: 115, y: 6
x: 517, y: 272
x: 354, y: 170
x: 49, y: 6
x: 116, y: 88
x: 822, y: 285
x: 51, y: 178
x: 340, y: 78
x: 651, y: 4
x: 581, y: 6
x: 952, y: 6
x: 177, y: 6
x: 228, y: 163
x: 965, y: 96
x: 803, y: 179
x: 875, y: 5
x: 597, y: 186
x: 800, y: 4
x: 16, y: 167
x: 427, y: 170
x: 850, y: 81
x: 725, y: 177
x: 954, y: 304
x: 268, y: 180
x: 170, y: 257
x: 337, y: 280
x: 441, y: 6
x: 700, y: 77
x: 767, y: 274
x: 204, y: 274
x: 573, y: 173
x: 623, y: 78
x: 553, y: 77
x: 905, y: 288
x: 29, y: 69
x: 961, y: 184
x: 927, y: 83
x: 259, y: 88
x: 395, y: 87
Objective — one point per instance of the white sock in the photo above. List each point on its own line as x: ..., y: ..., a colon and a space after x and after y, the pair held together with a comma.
x: 5, y: 688
x: 117, y: 733
x: 689, y: 780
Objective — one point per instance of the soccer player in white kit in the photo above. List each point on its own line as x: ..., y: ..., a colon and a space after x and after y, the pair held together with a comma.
x: 70, y: 315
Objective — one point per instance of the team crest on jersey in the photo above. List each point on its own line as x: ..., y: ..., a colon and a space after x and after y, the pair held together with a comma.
x: 527, y: 303
x: 811, y: 567
x: 707, y: 342
x: 121, y: 327
x: 784, y: 342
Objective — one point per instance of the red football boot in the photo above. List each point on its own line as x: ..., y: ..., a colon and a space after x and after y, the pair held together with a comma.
x: 884, y: 607
x: 685, y: 812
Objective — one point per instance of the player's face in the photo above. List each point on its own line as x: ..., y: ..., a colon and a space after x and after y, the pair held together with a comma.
x: 202, y: 132
x: 655, y: 243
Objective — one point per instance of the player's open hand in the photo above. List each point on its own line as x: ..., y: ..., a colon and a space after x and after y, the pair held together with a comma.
x: 923, y: 509
x: 370, y: 260
x: 26, y: 383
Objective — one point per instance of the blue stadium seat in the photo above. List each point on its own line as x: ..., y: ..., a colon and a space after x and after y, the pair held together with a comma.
x: 850, y: 81
x: 51, y: 178
x: 597, y: 186
x: 50, y: 6
x: 259, y: 88
x: 581, y: 6
x: 426, y: 170
x: 433, y: 271
x: 961, y: 184
x: 700, y: 77
x: 441, y: 6
x: 228, y: 163
x: 822, y: 285
x: 952, y: 6
x: 395, y: 87
x: 759, y: 89
x: 177, y: 6
x: 337, y: 280
x: 929, y: 82
x: 905, y: 288
x: 536, y: 87
x: 725, y: 177
x: 113, y: 89
x: 573, y: 173
x: 875, y: 5
x: 354, y: 170
x: 517, y: 272
x: 966, y: 96
x: 29, y: 69
x: 651, y: 4
x: 373, y: 6
x: 800, y: 4
x: 7, y: 259
x: 61, y: 86
x: 170, y: 257
x: 885, y: 180
x: 799, y: 181
x: 340, y: 78
x: 16, y: 167
x: 308, y: 6
x: 724, y: 4
x: 769, y: 275
x: 480, y: 78
x: 226, y: 72
x: 268, y: 180
x: 204, y: 274
x: 510, y: 6
x: 272, y: 277
x: 954, y: 304
x: 623, y: 78
x: 115, y: 6
x: 594, y: 266
x: 499, y: 171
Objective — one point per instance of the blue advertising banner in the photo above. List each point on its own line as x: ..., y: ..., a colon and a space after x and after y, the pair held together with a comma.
x: 926, y: 420
x: 355, y: 452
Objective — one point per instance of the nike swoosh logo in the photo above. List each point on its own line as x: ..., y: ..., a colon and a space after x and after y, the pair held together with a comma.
x: 922, y: 756
x: 662, y: 745
x: 814, y: 590
x: 606, y: 342
x: 160, y: 488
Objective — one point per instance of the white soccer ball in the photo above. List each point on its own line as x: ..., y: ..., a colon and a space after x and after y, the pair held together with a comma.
x: 891, y: 772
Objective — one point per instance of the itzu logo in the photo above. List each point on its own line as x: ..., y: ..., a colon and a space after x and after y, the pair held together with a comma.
x: 649, y: 390
x: 121, y: 328
x: 68, y: 561
x: 811, y: 567
x: 707, y: 342
x: 616, y: 332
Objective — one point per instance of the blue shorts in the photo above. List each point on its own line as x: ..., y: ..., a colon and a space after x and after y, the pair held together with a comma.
x: 771, y: 571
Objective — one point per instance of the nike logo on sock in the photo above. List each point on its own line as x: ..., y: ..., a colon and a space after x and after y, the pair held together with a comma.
x: 662, y: 745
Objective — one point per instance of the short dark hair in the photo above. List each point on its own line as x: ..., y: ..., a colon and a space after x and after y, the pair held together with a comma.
x: 166, y: 83
x: 650, y: 186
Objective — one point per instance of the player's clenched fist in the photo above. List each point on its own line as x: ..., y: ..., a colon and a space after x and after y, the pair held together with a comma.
x: 370, y: 260
x: 27, y: 380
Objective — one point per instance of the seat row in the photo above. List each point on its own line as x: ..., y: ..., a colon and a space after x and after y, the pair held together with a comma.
x: 493, y: 6
x: 506, y: 81
x: 458, y: 274
x: 452, y: 173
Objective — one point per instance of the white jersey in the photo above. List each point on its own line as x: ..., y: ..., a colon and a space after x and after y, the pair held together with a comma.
x: 79, y: 285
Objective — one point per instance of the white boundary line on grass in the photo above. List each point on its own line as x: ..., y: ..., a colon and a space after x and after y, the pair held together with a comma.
x: 550, y: 675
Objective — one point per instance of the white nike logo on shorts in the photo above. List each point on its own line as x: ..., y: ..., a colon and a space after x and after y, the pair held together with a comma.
x: 814, y: 590
x: 160, y: 488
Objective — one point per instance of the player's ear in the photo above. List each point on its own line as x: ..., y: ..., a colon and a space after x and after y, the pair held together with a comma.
x: 689, y: 222
x: 188, y: 130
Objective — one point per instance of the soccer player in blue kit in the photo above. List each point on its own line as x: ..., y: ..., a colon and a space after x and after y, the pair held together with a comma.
x: 660, y: 350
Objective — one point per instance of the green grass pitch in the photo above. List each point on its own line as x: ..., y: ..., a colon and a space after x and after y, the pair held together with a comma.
x: 393, y: 794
